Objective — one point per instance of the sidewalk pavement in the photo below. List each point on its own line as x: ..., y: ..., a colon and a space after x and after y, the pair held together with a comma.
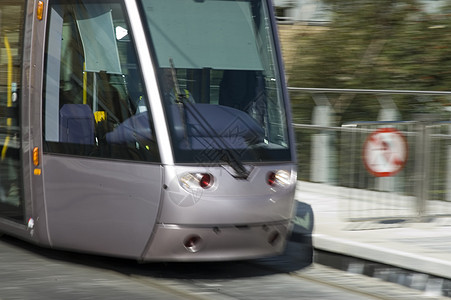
x: 423, y: 247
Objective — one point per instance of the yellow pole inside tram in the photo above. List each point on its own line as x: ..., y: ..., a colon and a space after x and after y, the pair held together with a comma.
x: 8, y: 92
x: 85, y: 84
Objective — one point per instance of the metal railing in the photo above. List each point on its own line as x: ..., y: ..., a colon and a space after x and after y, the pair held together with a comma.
x: 334, y: 155
x: 369, y: 91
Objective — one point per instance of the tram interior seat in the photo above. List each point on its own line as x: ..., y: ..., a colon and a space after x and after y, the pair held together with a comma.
x: 76, y: 124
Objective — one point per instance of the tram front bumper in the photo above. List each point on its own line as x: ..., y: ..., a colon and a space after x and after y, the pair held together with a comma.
x: 190, y: 243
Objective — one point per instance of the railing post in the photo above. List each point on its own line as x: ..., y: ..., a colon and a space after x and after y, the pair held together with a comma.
x: 321, y: 152
x: 387, y: 112
x: 421, y: 168
x: 448, y: 169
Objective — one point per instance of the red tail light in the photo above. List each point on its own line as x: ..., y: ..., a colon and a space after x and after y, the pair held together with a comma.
x: 271, y: 178
x: 205, y: 181
x: 280, y: 178
x: 193, y: 181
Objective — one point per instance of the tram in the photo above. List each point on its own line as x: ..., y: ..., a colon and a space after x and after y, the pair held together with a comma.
x: 157, y: 130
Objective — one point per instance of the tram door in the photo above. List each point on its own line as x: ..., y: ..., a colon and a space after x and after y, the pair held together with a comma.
x: 11, y: 42
x: 101, y: 167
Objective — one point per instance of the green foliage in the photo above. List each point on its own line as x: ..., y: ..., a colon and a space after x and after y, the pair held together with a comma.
x: 384, y: 44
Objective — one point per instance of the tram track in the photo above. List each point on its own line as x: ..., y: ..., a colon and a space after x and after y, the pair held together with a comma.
x: 356, y: 283
x: 373, y: 288
x: 174, y: 289
x: 71, y: 275
x: 360, y: 286
x: 203, y: 288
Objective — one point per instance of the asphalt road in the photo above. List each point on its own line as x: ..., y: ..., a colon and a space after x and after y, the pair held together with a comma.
x: 31, y: 272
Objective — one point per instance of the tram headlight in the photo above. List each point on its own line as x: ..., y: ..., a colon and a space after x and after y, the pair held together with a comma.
x: 280, y: 178
x: 193, y: 181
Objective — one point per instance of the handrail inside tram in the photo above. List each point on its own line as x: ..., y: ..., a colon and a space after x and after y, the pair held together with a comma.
x: 9, y: 93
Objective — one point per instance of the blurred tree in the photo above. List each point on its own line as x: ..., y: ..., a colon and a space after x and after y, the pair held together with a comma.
x: 383, y: 44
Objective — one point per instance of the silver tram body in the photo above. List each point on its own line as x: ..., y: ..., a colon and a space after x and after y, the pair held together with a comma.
x: 152, y: 129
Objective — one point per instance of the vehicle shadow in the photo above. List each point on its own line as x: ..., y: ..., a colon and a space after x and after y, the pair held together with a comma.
x: 296, y: 257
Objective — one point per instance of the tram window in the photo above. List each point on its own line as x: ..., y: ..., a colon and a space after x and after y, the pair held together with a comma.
x: 224, y: 58
x: 94, y: 97
x: 11, y: 44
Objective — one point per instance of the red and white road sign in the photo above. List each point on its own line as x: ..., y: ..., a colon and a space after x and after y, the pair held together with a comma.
x: 385, y: 152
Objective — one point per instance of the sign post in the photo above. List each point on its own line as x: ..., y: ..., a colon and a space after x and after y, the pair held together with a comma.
x: 385, y: 152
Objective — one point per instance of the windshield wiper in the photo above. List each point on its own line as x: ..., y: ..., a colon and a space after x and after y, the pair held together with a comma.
x: 179, y: 97
x: 227, y: 155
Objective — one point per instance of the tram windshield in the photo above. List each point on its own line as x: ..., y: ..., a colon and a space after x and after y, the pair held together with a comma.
x: 219, y: 79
